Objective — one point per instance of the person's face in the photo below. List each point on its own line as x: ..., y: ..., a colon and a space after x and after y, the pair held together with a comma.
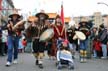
x: 83, y: 24
x: 64, y: 45
x: 14, y: 17
x: 58, y: 20
x: 94, y: 30
x: 42, y: 17
x: 33, y: 23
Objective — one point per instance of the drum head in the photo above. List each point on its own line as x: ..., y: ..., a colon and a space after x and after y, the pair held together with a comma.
x: 47, y: 35
x: 79, y: 35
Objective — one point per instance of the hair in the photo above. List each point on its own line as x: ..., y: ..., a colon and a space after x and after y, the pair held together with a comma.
x: 57, y: 18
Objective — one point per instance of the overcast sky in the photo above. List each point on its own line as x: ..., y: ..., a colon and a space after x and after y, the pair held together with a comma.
x: 71, y: 7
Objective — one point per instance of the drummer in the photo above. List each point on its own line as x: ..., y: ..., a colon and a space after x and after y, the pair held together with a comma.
x: 13, y: 38
x: 39, y: 46
x: 84, y: 27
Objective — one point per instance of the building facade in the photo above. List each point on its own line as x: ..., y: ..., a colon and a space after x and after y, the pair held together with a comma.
x: 52, y: 17
x: 5, y: 12
x: 97, y: 19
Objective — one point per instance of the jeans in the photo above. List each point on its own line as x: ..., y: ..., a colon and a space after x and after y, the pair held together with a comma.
x: 104, y: 50
x: 94, y: 53
x: 12, y: 43
x: 83, y: 44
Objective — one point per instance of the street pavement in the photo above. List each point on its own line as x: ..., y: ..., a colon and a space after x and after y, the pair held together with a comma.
x: 26, y: 62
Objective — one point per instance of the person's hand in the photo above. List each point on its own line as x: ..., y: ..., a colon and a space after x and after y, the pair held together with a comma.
x: 46, y: 43
x: 107, y: 43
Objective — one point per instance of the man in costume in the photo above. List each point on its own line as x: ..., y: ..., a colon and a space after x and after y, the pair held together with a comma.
x: 84, y: 28
x: 39, y: 46
x: 13, y: 38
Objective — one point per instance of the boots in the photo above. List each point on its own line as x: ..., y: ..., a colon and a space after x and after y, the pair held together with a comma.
x: 81, y: 56
x: 37, y: 62
x: 40, y: 64
x: 85, y: 56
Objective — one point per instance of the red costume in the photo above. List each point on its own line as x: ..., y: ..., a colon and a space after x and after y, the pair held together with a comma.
x: 59, y: 31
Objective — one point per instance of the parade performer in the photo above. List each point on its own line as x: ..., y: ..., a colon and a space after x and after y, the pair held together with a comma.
x: 84, y: 28
x: 59, y: 34
x: 72, y: 43
x: 39, y: 46
x: 13, y: 38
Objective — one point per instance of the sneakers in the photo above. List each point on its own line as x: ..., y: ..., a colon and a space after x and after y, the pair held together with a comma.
x: 85, y: 60
x: 59, y: 67
x: 36, y: 63
x: 103, y: 57
x: 81, y: 60
x: 8, y: 64
x: 40, y: 66
x: 15, y: 61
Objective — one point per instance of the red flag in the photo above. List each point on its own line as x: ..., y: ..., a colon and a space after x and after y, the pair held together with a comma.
x: 0, y: 4
x: 62, y: 14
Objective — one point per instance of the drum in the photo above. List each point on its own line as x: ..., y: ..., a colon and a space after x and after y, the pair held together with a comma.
x: 79, y: 35
x: 47, y: 35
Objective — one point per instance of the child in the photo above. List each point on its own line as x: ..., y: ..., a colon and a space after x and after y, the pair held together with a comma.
x: 24, y: 42
x: 97, y: 47
x: 64, y: 56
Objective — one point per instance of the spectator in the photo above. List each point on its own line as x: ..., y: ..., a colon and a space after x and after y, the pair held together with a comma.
x: 3, y: 43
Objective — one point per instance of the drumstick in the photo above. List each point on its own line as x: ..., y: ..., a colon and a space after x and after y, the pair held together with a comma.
x: 18, y: 24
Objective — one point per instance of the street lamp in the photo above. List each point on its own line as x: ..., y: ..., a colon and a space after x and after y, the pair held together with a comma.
x: 102, y: 3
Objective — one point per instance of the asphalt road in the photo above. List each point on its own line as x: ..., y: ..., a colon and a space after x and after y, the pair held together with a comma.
x: 26, y: 62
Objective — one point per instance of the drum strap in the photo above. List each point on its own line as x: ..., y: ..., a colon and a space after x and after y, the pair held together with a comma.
x: 59, y: 31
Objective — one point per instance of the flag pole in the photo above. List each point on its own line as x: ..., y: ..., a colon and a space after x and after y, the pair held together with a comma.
x: 62, y: 13
x: 62, y: 18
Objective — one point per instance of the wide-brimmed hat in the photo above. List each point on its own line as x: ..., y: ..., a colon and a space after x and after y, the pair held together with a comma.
x: 42, y: 13
x: 84, y: 19
x: 83, y: 22
x: 32, y: 18
x: 15, y: 13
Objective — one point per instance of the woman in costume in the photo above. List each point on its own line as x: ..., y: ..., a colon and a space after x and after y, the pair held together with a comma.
x: 59, y: 34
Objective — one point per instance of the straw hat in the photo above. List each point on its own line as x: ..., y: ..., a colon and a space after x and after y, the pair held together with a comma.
x: 42, y: 13
x: 84, y: 19
x: 15, y: 13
